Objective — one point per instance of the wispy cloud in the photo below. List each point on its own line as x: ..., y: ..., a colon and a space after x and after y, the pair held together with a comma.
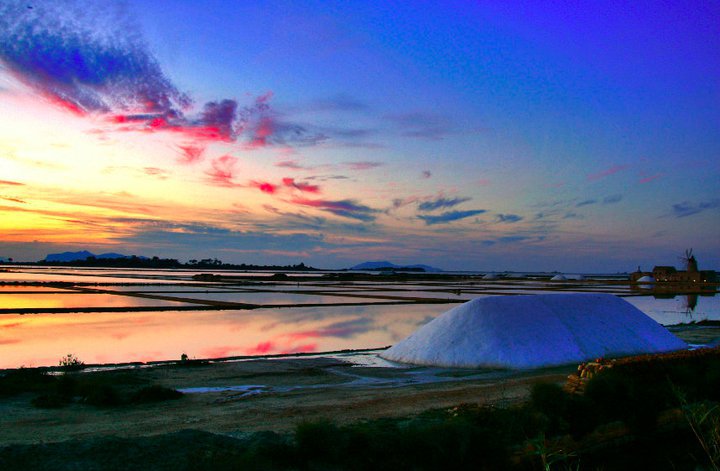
x: 612, y: 199
x: 441, y: 203
x: 649, y: 178
x: 11, y: 183
x: 156, y: 172
x: 222, y: 170
x: 74, y: 65
x: 14, y: 200
x: 363, y: 165
x: 607, y: 172
x: 508, y: 218
x: 98, y: 64
x: 586, y: 203
x: 449, y: 216
x: 190, y: 153
x: 346, y: 208
x: 304, y: 187
x: 686, y: 208
x: 420, y: 125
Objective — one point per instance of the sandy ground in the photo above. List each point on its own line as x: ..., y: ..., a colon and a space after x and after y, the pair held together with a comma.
x: 266, y: 394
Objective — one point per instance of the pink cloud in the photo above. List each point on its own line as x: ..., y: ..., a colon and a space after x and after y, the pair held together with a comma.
x: 222, y: 170
x: 262, y: 132
x: 7, y: 182
x: 260, y: 349
x: 190, y: 153
x: 607, y: 172
x: 649, y: 178
x: 64, y: 104
x: 265, y: 187
x: 304, y: 187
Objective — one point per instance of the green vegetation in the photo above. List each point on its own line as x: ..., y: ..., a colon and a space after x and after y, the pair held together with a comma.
x: 109, y: 389
x: 653, y: 414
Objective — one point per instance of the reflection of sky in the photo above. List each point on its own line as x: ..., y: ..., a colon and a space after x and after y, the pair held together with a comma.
x: 73, y: 300
x: 120, y: 337
x: 675, y: 310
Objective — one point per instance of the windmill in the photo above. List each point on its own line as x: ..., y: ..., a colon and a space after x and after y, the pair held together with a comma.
x: 689, y: 261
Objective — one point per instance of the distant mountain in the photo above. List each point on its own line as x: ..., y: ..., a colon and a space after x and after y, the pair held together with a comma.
x: 112, y: 255
x: 68, y: 256
x: 385, y: 265
x: 82, y: 255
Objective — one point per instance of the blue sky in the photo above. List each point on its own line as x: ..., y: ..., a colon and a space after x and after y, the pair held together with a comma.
x: 576, y: 136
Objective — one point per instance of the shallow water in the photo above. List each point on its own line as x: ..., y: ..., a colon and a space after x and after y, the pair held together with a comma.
x: 114, y: 337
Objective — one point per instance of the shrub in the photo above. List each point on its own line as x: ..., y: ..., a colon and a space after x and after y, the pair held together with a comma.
x: 155, y: 393
x: 102, y: 396
x: 50, y: 401
x: 71, y: 362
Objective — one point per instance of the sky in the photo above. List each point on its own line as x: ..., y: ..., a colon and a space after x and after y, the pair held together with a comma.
x: 514, y: 135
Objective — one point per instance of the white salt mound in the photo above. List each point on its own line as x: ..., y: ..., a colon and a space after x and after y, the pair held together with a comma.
x: 490, y: 276
x: 558, y: 278
x: 646, y: 279
x: 533, y: 332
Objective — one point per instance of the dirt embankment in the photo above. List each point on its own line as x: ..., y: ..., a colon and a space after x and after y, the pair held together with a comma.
x: 262, y: 395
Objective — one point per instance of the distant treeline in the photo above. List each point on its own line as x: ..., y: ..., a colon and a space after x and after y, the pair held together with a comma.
x: 157, y: 262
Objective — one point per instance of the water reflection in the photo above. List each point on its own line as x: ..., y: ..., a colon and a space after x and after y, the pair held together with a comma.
x: 122, y: 337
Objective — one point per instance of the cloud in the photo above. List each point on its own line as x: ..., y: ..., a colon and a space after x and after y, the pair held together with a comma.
x: 265, y: 187
x: 261, y: 348
x: 338, y: 103
x: 426, y: 174
x: 441, y: 202
x: 420, y: 124
x: 190, y: 153
x: 222, y: 171
x: 346, y: 208
x: 511, y: 239
x: 304, y: 187
x: 363, y: 165
x: 612, y: 199
x: 11, y: 183
x: 14, y: 200
x: 509, y: 218
x: 607, y: 172
x: 649, y: 178
x: 96, y: 62
x: 572, y: 215
x: 291, y: 164
x: 684, y: 209
x: 450, y: 216
x: 157, y: 172
x: 585, y: 203
x: 57, y: 50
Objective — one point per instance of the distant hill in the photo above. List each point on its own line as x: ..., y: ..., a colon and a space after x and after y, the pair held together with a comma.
x: 385, y: 265
x: 82, y: 255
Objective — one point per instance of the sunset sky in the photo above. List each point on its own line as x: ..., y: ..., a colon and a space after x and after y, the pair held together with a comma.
x: 571, y: 136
